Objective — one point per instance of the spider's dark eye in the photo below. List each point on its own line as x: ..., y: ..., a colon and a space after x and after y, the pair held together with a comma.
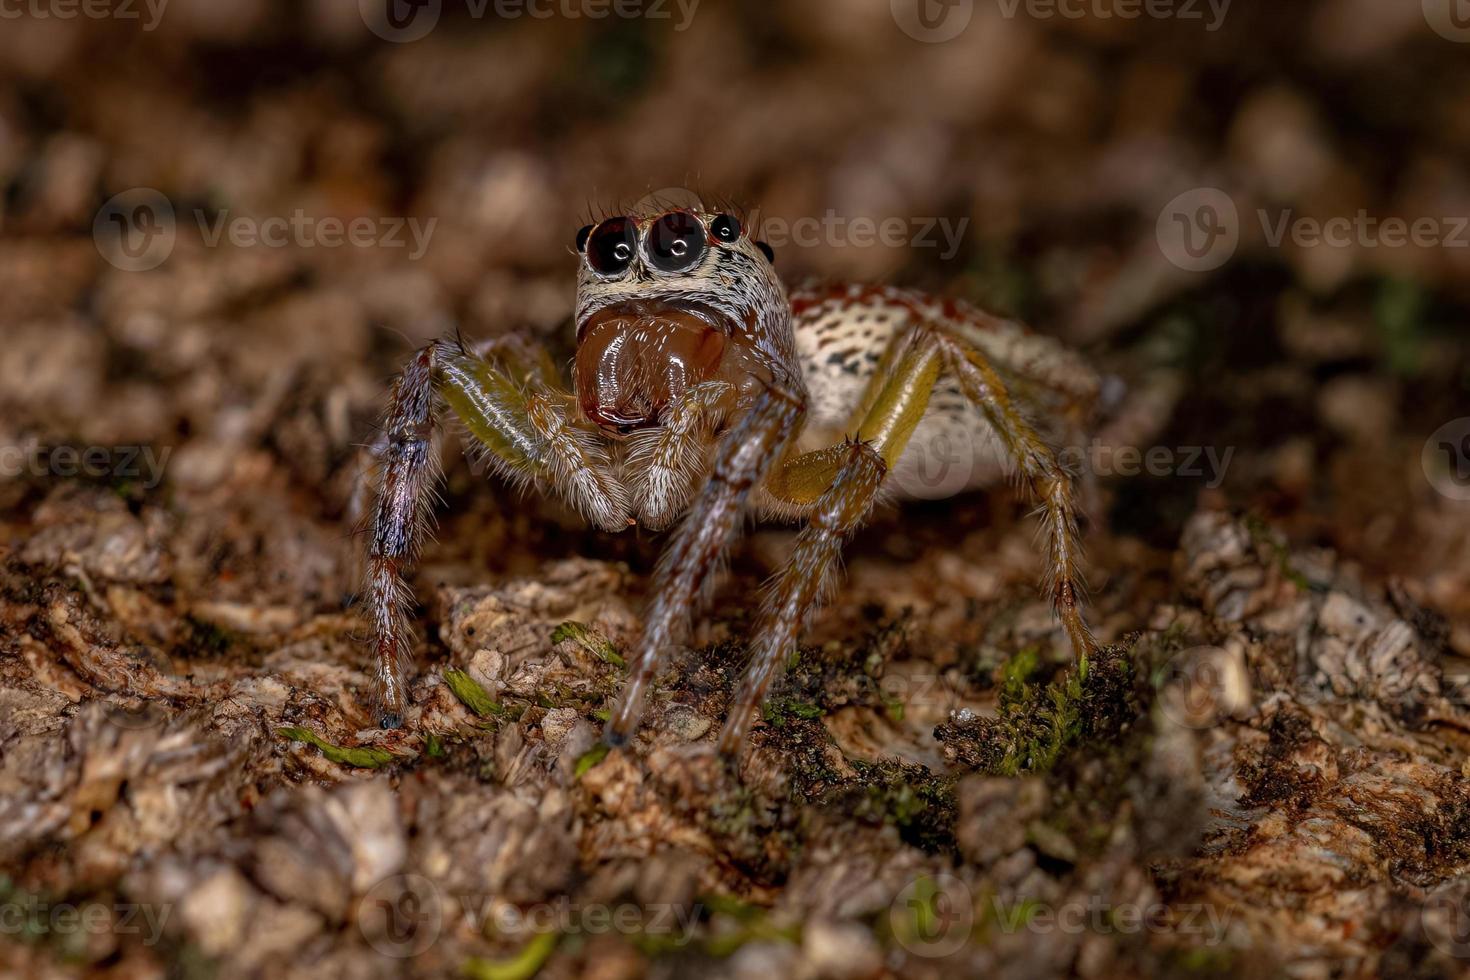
x: 725, y: 228
x: 675, y: 242
x: 611, y: 245
x: 582, y: 238
x: 766, y: 251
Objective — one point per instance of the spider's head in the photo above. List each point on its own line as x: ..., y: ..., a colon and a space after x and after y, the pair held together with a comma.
x: 671, y: 300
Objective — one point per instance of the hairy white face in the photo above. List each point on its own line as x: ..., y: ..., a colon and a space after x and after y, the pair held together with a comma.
x: 670, y: 300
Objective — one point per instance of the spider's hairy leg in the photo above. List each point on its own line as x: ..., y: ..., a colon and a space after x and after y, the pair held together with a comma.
x: 664, y: 462
x: 519, y: 425
x: 530, y: 433
x: 409, y: 466
x: 840, y: 484
x: 743, y: 457
x: 1048, y: 481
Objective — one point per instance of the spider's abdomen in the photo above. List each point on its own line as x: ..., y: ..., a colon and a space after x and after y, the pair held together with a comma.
x: 841, y: 334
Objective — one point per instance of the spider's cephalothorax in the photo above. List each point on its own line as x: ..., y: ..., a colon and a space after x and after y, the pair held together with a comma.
x: 666, y: 304
x: 701, y: 389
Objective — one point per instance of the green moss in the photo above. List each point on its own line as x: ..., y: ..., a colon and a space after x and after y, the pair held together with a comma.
x: 1399, y: 312
x: 1038, y: 723
x: 364, y: 757
x: 918, y: 803
x: 778, y: 711
x: 471, y: 694
x: 590, y: 640
x: 1016, y: 672
x: 523, y: 965
x: 1207, y: 961
x: 591, y: 758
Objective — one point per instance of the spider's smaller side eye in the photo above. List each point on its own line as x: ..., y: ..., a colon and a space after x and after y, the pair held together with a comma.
x: 611, y: 246
x: 767, y: 251
x: 725, y: 228
x: 582, y: 237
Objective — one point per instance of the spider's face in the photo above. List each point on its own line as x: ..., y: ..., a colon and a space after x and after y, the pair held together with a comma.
x: 669, y: 301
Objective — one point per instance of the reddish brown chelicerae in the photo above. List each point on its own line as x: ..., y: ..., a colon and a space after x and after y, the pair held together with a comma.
x: 702, y: 389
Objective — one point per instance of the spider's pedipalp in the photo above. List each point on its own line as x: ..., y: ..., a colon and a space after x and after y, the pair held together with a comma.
x: 664, y: 463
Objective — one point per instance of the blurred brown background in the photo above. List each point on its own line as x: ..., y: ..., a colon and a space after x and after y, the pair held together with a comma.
x: 1047, y: 146
x: 1115, y: 180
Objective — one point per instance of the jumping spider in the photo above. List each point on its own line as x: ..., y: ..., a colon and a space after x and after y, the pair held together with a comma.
x: 703, y: 389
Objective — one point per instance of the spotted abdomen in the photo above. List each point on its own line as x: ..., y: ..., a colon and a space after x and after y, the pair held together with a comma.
x: 842, y: 333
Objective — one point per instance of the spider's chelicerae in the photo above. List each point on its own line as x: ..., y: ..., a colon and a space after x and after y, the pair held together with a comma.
x: 703, y: 389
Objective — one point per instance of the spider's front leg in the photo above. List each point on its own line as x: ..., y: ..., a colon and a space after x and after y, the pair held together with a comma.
x: 840, y: 483
x: 743, y: 457
x: 525, y: 426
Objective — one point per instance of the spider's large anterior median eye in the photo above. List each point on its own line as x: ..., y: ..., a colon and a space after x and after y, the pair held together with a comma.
x: 725, y: 228
x: 611, y: 246
x: 675, y: 242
